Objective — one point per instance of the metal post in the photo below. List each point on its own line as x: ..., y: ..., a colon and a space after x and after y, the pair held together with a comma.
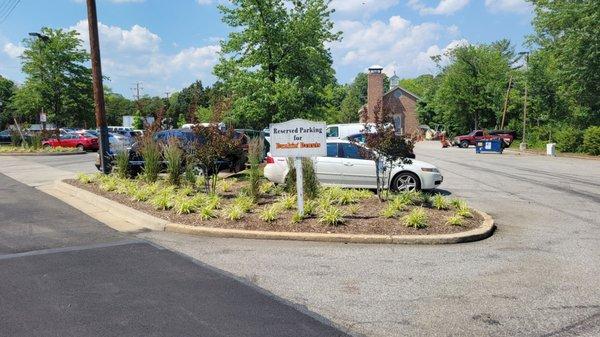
x: 506, y: 103
x: 299, y: 185
x: 97, y: 84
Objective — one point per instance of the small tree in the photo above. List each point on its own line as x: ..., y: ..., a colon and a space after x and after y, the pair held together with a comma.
x: 255, y: 150
x: 309, y: 179
x: 214, y: 148
x: 389, y: 147
x: 173, y: 155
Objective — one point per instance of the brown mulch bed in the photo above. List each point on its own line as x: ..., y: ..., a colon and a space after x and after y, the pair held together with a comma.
x: 367, y: 221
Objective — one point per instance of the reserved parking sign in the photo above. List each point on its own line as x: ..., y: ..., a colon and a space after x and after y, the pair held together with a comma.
x: 298, y: 138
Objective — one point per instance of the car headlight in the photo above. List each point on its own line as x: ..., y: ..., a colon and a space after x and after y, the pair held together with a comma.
x: 429, y: 169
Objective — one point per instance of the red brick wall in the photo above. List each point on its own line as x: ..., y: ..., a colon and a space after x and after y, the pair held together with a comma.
x: 374, y: 94
x: 406, y: 105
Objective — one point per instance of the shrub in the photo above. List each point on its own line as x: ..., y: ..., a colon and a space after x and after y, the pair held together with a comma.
x: 417, y: 218
x: 183, y: 205
x: 244, y: 202
x: 108, y: 184
x: 206, y: 213
x: 353, y: 209
x: 455, y: 220
x: 398, y: 203
x: 185, y: 191
x: 234, y: 213
x: 332, y: 216
x: 84, y: 178
x: 464, y: 212
x: 297, y: 218
x: 173, y: 155
x: 591, y: 140
x: 163, y: 200
x: 309, y: 179
x: 255, y: 151
x: 122, y: 161
x: 389, y: 212
x: 440, y: 202
x: 225, y: 185
x: 269, y: 214
x: 125, y: 186
x: 457, y: 203
x: 568, y: 139
x: 287, y: 202
x: 213, y: 201
x: 151, y: 153
x: 190, y: 173
x: 310, y: 207
x: 265, y: 187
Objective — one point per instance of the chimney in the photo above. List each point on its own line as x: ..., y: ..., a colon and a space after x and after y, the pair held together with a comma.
x: 374, y: 92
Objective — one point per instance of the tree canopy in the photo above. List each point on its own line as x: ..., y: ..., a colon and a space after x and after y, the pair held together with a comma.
x: 275, y: 63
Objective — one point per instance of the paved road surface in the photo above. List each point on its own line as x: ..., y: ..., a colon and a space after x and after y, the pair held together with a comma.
x: 64, y: 274
x: 539, y: 274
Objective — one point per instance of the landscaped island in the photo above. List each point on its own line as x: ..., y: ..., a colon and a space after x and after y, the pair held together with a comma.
x: 335, y: 210
x: 7, y: 149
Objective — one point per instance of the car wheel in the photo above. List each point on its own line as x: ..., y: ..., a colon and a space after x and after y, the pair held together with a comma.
x: 80, y: 148
x: 405, y: 181
x: 464, y: 144
x: 47, y: 146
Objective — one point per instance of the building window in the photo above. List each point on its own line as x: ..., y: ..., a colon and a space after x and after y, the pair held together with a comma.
x: 398, y: 123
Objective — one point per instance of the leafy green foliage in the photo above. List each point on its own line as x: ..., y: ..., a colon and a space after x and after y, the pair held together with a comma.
x: 455, y: 220
x: 309, y: 177
x: 234, y: 213
x: 57, y: 79
x: 464, y: 212
x: 173, y: 155
x: 225, y: 185
x: 265, y: 187
x: 122, y: 161
x: 287, y: 202
x: 270, y: 214
x: 297, y: 218
x: 332, y: 216
x: 255, y: 151
x: 163, y: 200
x: 390, y: 211
x: 275, y: 61
x: 353, y: 209
x: 151, y: 153
x: 206, y: 213
x: 440, y: 202
x: 84, y: 178
x: 310, y: 207
x: 183, y: 205
x: 568, y: 139
x: 417, y: 218
x: 243, y: 202
x: 591, y: 140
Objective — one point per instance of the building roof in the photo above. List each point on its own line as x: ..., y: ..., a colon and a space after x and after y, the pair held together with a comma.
x: 391, y: 91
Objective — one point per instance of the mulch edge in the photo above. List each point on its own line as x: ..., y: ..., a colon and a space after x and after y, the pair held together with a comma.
x: 482, y: 232
x: 33, y: 154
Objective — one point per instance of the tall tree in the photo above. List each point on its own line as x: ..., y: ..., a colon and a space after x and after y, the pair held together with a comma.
x: 276, y: 63
x: 117, y: 106
x: 570, y: 33
x: 7, y: 91
x: 470, y: 93
x: 58, y: 79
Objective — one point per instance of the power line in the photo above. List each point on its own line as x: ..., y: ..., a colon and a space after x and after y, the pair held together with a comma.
x: 3, y: 19
x: 5, y: 6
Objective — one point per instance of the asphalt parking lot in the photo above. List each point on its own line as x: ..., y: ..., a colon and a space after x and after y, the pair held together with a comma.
x: 537, y: 276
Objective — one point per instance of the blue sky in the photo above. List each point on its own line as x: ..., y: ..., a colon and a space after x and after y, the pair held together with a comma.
x: 166, y: 45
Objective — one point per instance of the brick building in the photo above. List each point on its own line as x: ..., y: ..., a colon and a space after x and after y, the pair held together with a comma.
x: 398, y: 104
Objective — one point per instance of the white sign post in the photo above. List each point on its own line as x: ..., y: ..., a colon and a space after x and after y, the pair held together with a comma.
x: 298, y: 138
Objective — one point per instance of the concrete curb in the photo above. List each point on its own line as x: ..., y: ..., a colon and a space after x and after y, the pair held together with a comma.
x: 558, y: 155
x: 486, y: 230
x: 126, y: 219
x: 111, y: 213
x: 28, y: 154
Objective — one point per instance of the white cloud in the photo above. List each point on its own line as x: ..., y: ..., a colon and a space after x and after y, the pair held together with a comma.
x: 134, y: 54
x: 396, y: 44
x: 511, y: 6
x: 361, y: 6
x: 444, y: 7
x: 204, y: 2
x: 13, y: 50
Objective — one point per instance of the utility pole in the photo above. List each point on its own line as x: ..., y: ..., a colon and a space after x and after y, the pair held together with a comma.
x: 506, y: 103
x: 523, y: 144
x: 97, y: 84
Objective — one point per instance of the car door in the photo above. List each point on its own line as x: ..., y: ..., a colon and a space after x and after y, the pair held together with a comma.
x: 328, y: 168
x: 358, y: 171
x: 64, y: 141
x: 478, y: 136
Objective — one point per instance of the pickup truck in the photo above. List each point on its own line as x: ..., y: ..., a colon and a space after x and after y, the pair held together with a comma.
x: 476, y: 135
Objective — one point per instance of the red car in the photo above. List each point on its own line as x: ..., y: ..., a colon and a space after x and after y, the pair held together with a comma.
x: 81, y: 141
x: 476, y: 135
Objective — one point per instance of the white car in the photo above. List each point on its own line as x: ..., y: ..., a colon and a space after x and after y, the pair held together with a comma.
x: 344, y: 166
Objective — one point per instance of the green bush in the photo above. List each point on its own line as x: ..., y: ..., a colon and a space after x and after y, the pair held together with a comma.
x: 122, y: 161
x: 234, y: 213
x: 332, y: 216
x: 173, y: 155
x: 591, y: 140
x: 417, y: 218
x: 270, y: 214
x: 455, y: 220
x: 151, y: 153
x: 568, y: 139
x: 255, y: 151
x: 440, y: 202
x: 309, y: 178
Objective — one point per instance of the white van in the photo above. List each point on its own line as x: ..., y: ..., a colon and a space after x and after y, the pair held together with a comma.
x: 342, y: 131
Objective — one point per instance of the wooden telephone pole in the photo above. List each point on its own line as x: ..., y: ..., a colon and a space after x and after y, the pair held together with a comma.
x: 98, y: 88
